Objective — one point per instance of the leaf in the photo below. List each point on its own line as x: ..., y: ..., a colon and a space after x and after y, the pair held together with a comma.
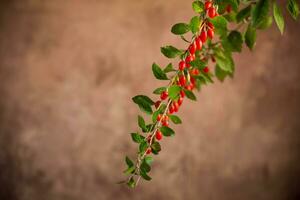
x: 189, y: 94
x: 235, y: 39
x: 198, y: 63
x: 224, y: 60
x: 266, y: 23
x: 220, y: 74
x: 194, y: 24
x: 142, y: 124
x: 128, y: 161
x: 156, y: 147
x: 169, y: 68
x: 198, y: 6
x: 137, y: 137
x: 293, y: 9
x: 243, y: 14
x: 220, y: 24
x: 166, y: 131
x: 145, y: 167
x: 174, y: 91
x: 260, y: 12
x: 250, y: 37
x: 159, y: 90
x: 170, y: 51
x: 158, y: 72
x: 144, y: 103
x: 131, y: 183
x: 130, y: 170
x: 278, y: 17
x: 145, y: 176
x: 143, y: 146
x: 149, y: 160
x: 175, y: 119
x: 180, y: 28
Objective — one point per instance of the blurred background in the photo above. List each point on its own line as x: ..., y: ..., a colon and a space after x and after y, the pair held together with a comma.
x: 68, y: 70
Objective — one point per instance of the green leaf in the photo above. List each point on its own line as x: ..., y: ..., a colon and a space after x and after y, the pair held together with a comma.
x: 158, y: 72
x: 250, y: 37
x: 128, y: 162
x: 137, y: 137
x: 243, y: 14
x: 144, y: 103
x: 260, y: 12
x: 170, y: 51
x: 149, y: 160
x: 180, y: 28
x: 278, y: 17
x: 194, y: 24
x: 189, y: 94
x: 145, y: 176
x: 198, y: 6
x: 224, y: 60
x: 220, y: 74
x: 175, y: 119
x: 220, y: 24
x: 169, y: 68
x: 166, y: 131
x: 159, y: 90
x: 266, y: 23
x: 156, y: 147
x: 198, y: 63
x: 130, y: 170
x: 293, y: 9
x: 142, y: 123
x: 235, y: 39
x: 145, y: 167
x: 131, y: 183
x: 174, y: 91
x: 143, y: 146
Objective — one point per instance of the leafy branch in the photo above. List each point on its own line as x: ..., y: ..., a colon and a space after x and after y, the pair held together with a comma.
x: 193, y: 70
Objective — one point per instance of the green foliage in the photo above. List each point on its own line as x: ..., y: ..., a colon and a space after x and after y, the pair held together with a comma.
x: 166, y: 131
x: 198, y: 6
x: 293, y: 9
x: 278, y: 17
x: 194, y: 24
x: 158, y: 72
x: 260, y: 12
x: 175, y: 119
x: 235, y: 40
x: 174, y: 92
x: 170, y: 51
x: 250, y: 37
x: 180, y: 28
x: 220, y: 24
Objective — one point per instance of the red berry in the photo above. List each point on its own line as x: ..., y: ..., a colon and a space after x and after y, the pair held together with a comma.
x: 211, y: 12
x: 194, y: 72
x: 176, y: 106
x: 203, y: 36
x: 148, y: 151
x: 164, y: 95
x: 228, y: 8
x: 158, y: 117
x: 180, y: 100
x: 206, y: 69
x: 171, y: 108
x: 193, y: 81
x: 193, y: 48
x: 207, y: 5
x: 166, y: 118
x: 158, y: 135
x: 182, y: 65
x: 210, y: 33
x: 189, y: 87
x: 198, y: 43
x: 157, y: 104
x: 165, y: 123
x: 189, y: 59
x: 182, y: 94
x: 182, y: 80
x: 210, y: 25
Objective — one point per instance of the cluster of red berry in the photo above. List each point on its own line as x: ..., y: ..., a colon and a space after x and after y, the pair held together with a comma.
x: 186, y: 72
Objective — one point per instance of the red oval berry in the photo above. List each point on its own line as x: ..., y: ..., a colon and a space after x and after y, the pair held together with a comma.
x: 180, y: 101
x: 203, y: 36
x: 196, y: 72
x: 157, y: 104
x: 189, y: 59
x: 229, y: 8
x: 182, y: 94
x: 198, y: 43
x: 171, y: 108
x: 210, y: 33
x: 210, y: 25
x: 182, y: 80
x: 189, y: 87
x: 206, y: 69
x: 207, y: 5
x: 148, y: 151
x: 166, y: 118
x: 193, y: 48
x: 176, y: 106
x: 165, y: 123
x: 182, y: 65
x: 164, y: 95
x: 211, y: 12
x: 158, y: 117
x: 158, y: 135
x: 193, y: 81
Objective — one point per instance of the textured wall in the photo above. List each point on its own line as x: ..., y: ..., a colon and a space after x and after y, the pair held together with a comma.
x: 68, y: 70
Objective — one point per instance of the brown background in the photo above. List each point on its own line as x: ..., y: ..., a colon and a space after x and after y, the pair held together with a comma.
x: 68, y: 70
